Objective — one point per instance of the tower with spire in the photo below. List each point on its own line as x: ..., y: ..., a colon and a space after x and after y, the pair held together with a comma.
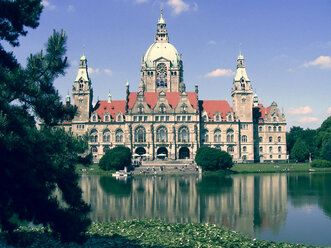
x: 242, y: 93
x: 82, y: 92
x: 162, y: 66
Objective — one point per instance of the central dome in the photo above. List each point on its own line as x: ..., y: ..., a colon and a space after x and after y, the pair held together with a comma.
x: 161, y: 50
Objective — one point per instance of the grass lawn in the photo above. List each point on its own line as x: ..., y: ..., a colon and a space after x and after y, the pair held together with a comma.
x: 276, y: 167
x: 151, y: 233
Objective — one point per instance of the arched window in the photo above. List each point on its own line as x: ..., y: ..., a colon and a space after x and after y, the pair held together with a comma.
x: 217, y: 117
x: 183, y: 135
x: 269, y: 129
x: 279, y: 139
x: 94, y: 149
x: 162, y: 108
x: 217, y: 136
x: 244, y: 148
x: 140, y: 134
x: 274, y: 119
x: 275, y: 129
x: 107, y: 117
x: 261, y: 149
x: 244, y: 138
x: 105, y: 148
x: 270, y: 139
x: 230, y: 149
x: 140, y: 109
x: 94, y: 136
x: 106, y: 136
x: 205, y: 136
x: 270, y: 148
x: 279, y: 129
x: 279, y: 148
x: 260, y: 129
x: 81, y: 86
x: 229, y: 117
x: 229, y: 135
x: 94, y: 118
x: 162, y: 134
x: 260, y: 139
x: 119, y: 118
x: 183, y: 108
x: 244, y: 158
x: 119, y: 136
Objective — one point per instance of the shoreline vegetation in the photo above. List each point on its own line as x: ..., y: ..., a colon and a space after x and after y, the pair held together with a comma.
x: 148, y: 233
x: 237, y: 168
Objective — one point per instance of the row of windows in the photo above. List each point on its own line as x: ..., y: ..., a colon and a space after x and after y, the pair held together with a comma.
x: 107, y: 118
x: 106, y: 136
x: 271, y: 149
x: 139, y: 118
x: 80, y: 126
x: 271, y: 129
x: 183, y: 118
x: 216, y: 118
x: 279, y: 139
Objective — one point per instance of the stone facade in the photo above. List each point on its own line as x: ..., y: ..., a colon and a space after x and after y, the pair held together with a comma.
x: 162, y: 119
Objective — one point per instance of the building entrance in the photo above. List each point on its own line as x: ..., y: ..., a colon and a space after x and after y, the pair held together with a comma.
x: 184, y: 152
x: 162, y: 153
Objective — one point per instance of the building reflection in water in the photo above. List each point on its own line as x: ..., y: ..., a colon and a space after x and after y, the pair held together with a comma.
x: 245, y: 203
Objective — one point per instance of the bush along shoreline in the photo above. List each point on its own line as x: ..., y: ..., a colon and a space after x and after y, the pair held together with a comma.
x: 147, y: 233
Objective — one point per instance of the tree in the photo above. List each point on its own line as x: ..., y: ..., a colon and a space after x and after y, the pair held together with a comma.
x: 36, y: 162
x: 326, y: 147
x: 300, y: 151
x: 116, y: 158
x: 213, y: 159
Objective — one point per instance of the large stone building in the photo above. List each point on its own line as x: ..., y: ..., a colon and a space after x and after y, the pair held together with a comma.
x: 162, y: 119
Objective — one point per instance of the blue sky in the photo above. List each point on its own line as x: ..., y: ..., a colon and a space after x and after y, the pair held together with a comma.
x: 286, y: 44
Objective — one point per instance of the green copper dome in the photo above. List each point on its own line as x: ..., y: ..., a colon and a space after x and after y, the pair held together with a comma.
x: 161, y: 50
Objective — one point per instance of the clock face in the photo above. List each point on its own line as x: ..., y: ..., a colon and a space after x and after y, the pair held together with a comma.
x: 161, y: 69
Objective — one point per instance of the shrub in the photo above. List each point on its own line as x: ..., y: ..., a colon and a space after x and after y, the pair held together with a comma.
x: 116, y: 158
x: 213, y: 159
x: 86, y: 160
x: 320, y: 163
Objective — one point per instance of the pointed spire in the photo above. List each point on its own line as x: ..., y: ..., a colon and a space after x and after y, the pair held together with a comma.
x: 109, y: 97
x: 161, y: 33
x: 68, y: 99
x: 161, y: 20
x: 82, y: 70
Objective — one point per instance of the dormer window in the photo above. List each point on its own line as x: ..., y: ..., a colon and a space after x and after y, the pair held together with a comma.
x: 107, y: 118
x: 162, y: 108
x: 94, y: 118
x: 140, y: 109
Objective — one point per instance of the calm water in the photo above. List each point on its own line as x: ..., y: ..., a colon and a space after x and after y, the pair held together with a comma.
x: 287, y: 207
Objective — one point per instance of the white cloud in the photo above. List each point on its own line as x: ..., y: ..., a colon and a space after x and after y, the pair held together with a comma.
x: 220, y: 73
x: 108, y: 71
x: 71, y: 8
x: 321, y: 61
x: 178, y: 6
x: 308, y: 119
x: 92, y: 70
x: 141, y: 1
x: 300, y: 111
x: 329, y: 110
x: 212, y: 42
x: 47, y: 4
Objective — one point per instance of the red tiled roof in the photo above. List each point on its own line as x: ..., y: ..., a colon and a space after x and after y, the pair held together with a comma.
x: 113, y: 108
x: 264, y: 111
x: 172, y: 97
x: 66, y: 123
x: 213, y: 106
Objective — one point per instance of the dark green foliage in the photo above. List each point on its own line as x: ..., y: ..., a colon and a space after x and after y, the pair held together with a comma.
x: 213, y: 159
x: 326, y: 147
x: 300, y: 151
x: 116, y: 158
x: 37, y: 164
x: 85, y: 160
x: 320, y: 163
x: 111, y: 186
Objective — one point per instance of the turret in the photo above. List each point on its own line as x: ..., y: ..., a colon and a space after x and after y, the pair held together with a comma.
x: 242, y: 93
x: 82, y: 92
x: 161, y: 32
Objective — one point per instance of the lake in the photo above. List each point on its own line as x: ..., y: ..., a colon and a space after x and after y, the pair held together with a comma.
x: 279, y: 207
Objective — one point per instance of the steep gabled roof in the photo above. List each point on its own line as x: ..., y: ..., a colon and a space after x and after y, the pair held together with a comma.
x: 213, y: 106
x: 112, y: 108
x: 264, y: 111
x: 172, y: 98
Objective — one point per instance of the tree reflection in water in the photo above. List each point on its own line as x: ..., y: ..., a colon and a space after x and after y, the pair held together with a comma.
x: 112, y: 186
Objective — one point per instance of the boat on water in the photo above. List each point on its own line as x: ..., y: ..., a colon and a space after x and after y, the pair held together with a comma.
x: 120, y: 174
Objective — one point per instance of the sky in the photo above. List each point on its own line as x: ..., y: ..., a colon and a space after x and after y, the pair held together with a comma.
x: 286, y: 45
